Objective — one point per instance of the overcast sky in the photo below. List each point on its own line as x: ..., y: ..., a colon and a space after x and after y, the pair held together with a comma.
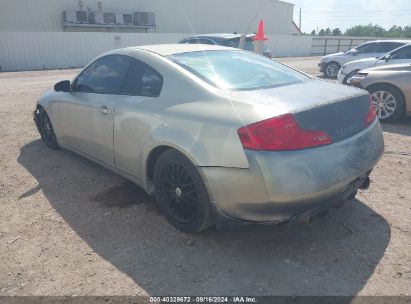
x: 347, y: 13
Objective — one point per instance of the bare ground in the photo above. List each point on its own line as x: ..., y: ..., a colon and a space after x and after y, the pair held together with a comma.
x: 70, y: 227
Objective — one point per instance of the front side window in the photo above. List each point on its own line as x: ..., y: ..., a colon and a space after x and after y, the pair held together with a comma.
x: 367, y: 48
x: 385, y: 47
x: 237, y: 70
x: 104, y: 76
x: 142, y: 80
x: 402, y: 53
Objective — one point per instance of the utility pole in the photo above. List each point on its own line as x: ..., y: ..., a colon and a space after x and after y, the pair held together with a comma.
x: 299, y: 24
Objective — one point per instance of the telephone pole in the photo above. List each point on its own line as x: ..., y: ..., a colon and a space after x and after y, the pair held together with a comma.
x: 299, y: 23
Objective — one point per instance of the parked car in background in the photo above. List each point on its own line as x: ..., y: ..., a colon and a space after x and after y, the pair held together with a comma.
x: 390, y: 89
x: 397, y: 56
x: 215, y: 133
x: 331, y: 64
x: 229, y: 40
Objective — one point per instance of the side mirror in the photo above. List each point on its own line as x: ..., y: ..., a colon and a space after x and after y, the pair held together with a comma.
x: 354, y: 52
x: 387, y: 57
x: 62, y: 86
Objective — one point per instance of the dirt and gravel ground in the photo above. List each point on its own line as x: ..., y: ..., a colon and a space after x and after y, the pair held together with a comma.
x: 70, y: 227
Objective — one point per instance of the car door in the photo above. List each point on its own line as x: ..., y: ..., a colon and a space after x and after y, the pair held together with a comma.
x: 401, y: 55
x: 87, y: 115
x: 138, y: 112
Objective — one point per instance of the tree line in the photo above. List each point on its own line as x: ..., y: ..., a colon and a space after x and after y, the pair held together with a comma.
x: 369, y: 30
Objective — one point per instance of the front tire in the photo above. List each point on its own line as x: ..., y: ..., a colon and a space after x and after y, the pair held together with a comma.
x: 331, y: 69
x: 181, y: 194
x: 388, y: 102
x: 47, y: 131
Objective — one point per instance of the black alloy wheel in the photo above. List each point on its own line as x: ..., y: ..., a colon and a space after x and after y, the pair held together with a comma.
x: 181, y: 193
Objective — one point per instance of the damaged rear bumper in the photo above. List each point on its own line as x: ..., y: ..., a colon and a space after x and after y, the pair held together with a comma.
x: 280, y: 186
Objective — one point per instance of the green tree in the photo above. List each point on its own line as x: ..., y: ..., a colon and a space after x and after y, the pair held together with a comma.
x: 371, y: 30
x: 328, y: 31
x: 313, y: 33
x: 336, y: 32
x: 321, y: 32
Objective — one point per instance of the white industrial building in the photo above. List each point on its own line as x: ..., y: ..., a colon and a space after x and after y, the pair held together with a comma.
x: 170, y: 16
x: 82, y: 29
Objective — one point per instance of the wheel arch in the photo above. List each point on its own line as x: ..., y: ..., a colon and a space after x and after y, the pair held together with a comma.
x: 386, y: 84
x: 333, y: 61
x: 153, y: 156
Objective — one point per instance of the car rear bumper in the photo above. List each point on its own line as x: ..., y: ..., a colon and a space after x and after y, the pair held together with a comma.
x: 281, y: 185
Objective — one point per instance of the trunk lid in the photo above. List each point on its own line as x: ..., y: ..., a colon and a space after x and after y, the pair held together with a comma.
x: 338, y: 110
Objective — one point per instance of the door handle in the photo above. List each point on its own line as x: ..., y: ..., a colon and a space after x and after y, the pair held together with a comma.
x: 104, y: 110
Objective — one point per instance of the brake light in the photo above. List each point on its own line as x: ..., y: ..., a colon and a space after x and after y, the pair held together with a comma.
x: 371, y: 115
x: 280, y: 133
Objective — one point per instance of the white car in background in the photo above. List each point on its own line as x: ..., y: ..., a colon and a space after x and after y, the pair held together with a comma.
x: 331, y: 64
x: 400, y: 55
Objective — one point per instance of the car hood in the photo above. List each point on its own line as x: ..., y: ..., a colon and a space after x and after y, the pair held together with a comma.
x: 329, y: 56
x: 362, y: 63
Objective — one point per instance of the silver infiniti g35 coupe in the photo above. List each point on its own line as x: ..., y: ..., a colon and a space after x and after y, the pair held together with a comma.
x: 218, y: 135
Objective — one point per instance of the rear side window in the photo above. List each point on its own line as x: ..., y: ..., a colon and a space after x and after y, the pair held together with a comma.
x: 367, y: 48
x: 103, y: 76
x: 385, y: 47
x: 235, y: 43
x: 199, y: 41
x: 142, y: 80
x: 403, y: 53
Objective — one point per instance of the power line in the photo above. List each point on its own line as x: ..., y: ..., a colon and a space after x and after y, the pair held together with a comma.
x: 356, y: 11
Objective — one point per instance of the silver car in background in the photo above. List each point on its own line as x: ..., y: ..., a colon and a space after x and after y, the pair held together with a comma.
x: 217, y: 134
x: 400, y: 55
x: 332, y: 63
x: 229, y: 40
x: 390, y: 89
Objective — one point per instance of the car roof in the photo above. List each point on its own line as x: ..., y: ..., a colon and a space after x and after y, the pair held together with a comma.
x: 390, y: 40
x: 171, y: 49
x: 220, y: 36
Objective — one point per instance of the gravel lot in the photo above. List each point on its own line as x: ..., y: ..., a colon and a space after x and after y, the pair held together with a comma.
x: 70, y: 227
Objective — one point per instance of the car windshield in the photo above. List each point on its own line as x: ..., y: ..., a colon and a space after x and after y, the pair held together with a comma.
x: 237, y: 70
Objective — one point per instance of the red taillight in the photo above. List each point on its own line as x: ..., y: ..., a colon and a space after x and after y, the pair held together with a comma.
x: 280, y: 133
x: 371, y: 115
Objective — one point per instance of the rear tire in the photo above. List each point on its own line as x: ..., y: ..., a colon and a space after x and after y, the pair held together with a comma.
x: 331, y: 69
x: 181, y: 194
x: 47, y: 131
x: 388, y: 102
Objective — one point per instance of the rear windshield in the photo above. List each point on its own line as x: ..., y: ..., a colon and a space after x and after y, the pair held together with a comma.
x: 237, y: 70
